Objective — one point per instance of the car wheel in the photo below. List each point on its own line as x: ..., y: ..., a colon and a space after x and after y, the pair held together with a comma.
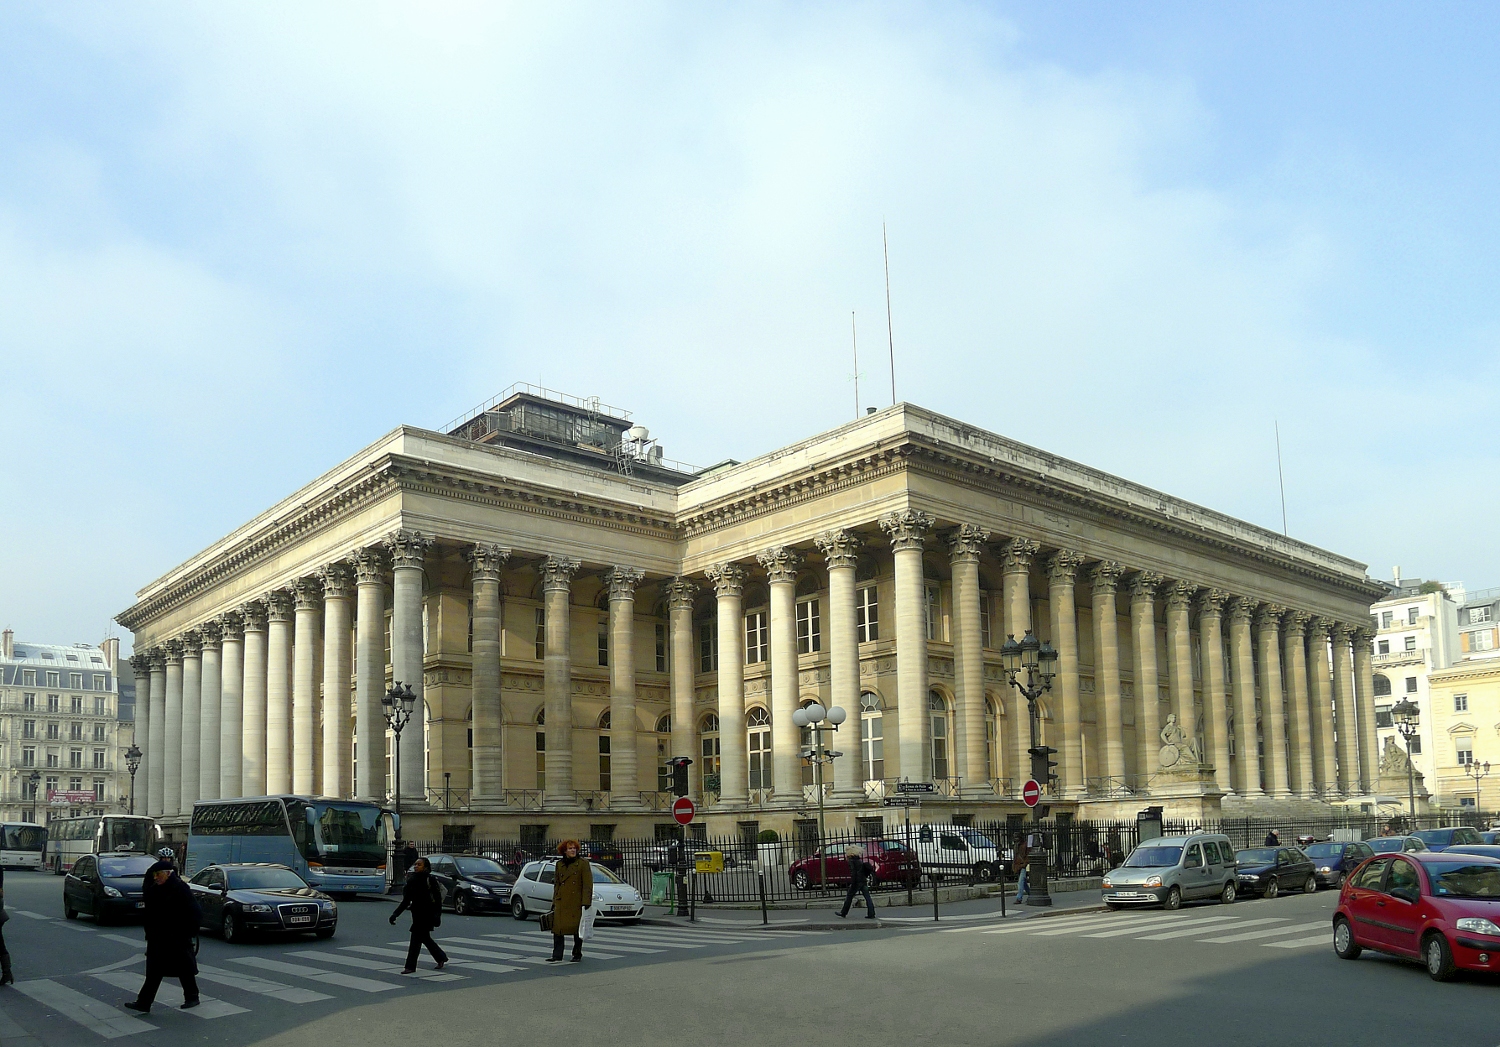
x: 461, y: 904
x: 1174, y: 899
x: 800, y: 880
x: 1272, y: 889
x: 68, y: 910
x: 230, y: 930
x: 1311, y: 886
x: 1344, y: 945
x: 1227, y: 895
x: 518, y: 907
x: 1338, y: 883
x: 324, y: 935
x: 1439, y: 958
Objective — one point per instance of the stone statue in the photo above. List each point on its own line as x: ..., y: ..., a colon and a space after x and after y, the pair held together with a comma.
x: 1178, y: 750
x: 1393, y: 760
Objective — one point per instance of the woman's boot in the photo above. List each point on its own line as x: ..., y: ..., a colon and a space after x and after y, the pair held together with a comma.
x: 6, y: 978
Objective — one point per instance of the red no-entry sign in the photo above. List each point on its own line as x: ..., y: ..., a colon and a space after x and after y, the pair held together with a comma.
x: 683, y: 810
x: 1031, y: 792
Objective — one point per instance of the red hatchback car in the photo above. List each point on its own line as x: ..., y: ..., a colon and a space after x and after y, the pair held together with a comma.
x: 1440, y: 908
x: 894, y: 863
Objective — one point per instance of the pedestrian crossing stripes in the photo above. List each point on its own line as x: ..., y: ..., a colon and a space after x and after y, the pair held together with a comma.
x: 1218, y: 929
x: 170, y: 995
x: 95, y: 1015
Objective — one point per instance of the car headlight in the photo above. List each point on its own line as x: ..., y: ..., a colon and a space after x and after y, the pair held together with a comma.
x: 1478, y: 925
x: 328, y: 906
x: 110, y: 892
x: 1152, y: 881
x: 257, y: 908
x: 1326, y: 869
x: 479, y: 890
x: 1108, y: 882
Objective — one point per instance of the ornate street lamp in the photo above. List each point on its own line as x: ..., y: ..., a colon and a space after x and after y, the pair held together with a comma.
x: 814, y: 716
x: 1406, y: 714
x: 1038, y: 661
x: 132, y: 764
x: 1477, y: 771
x: 35, y: 778
x: 397, y: 707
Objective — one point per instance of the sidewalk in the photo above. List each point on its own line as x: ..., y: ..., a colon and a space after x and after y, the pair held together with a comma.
x: 826, y: 918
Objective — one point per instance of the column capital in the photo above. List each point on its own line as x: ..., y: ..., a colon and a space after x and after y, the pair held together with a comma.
x: 174, y: 652
x: 840, y: 548
x: 158, y: 659
x: 1180, y: 594
x: 254, y: 614
x: 780, y: 562
x: 728, y: 579
x: 140, y: 663
x: 370, y: 566
x: 1211, y: 603
x: 279, y: 605
x: 409, y: 548
x: 486, y: 561
x: 1296, y: 624
x: 557, y: 573
x: 1319, y: 627
x: 907, y: 528
x: 1143, y: 585
x: 622, y: 581
x: 213, y: 634
x: 1062, y: 567
x: 192, y: 643
x: 338, y: 580
x: 1269, y: 616
x: 1016, y: 555
x: 1105, y: 576
x: 1362, y: 633
x: 966, y: 543
x: 1342, y: 631
x: 1241, y: 610
x: 233, y: 625
x: 307, y: 594
x: 679, y: 593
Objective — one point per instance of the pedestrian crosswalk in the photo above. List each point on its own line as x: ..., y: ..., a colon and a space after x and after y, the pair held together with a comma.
x: 90, y: 1002
x: 1207, y: 926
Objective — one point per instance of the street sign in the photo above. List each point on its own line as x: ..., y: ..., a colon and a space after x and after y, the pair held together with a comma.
x: 683, y: 810
x: 1031, y: 792
x: 914, y: 787
x: 901, y: 801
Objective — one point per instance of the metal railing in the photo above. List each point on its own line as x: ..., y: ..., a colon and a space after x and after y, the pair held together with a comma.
x: 449, y: 799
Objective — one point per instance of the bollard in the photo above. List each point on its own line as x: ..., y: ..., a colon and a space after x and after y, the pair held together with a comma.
x: 1001, y: 872
x: 761, y: 877
x: 934, y: 897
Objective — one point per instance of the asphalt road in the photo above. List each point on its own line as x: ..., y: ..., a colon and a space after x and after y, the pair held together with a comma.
x: 1255, y: 973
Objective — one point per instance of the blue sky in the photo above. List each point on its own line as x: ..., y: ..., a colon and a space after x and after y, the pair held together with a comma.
x: 239, y: 242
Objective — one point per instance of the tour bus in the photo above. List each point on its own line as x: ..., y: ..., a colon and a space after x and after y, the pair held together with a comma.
x: 21, y: 845
x: 338, y: 846
x: 69, y: 839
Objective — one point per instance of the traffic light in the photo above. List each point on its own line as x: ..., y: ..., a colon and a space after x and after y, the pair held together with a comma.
x: 678, y: 765
x: 1041, y: 766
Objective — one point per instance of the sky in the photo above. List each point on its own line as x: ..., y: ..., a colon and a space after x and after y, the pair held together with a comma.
x: 239, y: 242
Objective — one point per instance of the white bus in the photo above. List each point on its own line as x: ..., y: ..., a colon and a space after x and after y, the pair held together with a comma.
x: 21, y: 845
x: 69, y: 839
x: 339, y: 846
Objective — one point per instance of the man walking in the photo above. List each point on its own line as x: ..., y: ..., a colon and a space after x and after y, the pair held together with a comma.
x: 860, y: 872
x: 1018, y: 866
x: 171, y: 922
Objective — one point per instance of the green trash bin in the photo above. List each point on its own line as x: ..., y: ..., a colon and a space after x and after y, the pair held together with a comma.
x: 661, y: 888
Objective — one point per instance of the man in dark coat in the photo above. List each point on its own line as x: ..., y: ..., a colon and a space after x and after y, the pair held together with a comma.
x: 6, y: 978
x: 860, y: 872
x: 1273, y: 839
x: 424, y: 897
x: 171, y: 922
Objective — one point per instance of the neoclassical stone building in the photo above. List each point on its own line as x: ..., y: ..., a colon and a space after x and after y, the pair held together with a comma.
x: 573, y: 609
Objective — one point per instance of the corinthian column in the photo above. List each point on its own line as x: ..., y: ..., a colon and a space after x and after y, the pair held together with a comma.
x: 1343, y: 703
x: 781, y: 566
x: 156, y: 788
x: 1180, y: 657
x: 257, y: 691
x: 679, y: 593
x: 840, y: 551
x: 211, y: 691
x: 1062, y: 570
x: 1272, y: 700
x: 192, y: 710
x: 625, y: 789
x: 1210, y: 633
x: 1364, y: 683
x: 964, y: 546
x: 1147, y: 686
x: 232, y: 706
x: 728, y: 580
x: 307, y: 597
x: 907, y: 530
x: 1299, y: 728
x: 489, y: 780
x: 1105, y: 578
x: 140, y: 669
x: 1242, y: 654
x: 338, y: 590
x: 279, y: 693
x: 369, y: 673
x: 557, y: 676
x: 172, y: 783
x: 408, y: 557
x: 1320, y: 686
x: 1015, y: 568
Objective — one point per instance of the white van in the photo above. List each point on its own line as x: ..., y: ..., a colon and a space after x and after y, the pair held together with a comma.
x: 953, y: 850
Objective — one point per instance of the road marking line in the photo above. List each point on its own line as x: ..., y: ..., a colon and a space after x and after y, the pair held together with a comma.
x: 139, y: 943
x: 1273, y: 932
x: 12, y: 1035
x: 1132, y: 930
x: 32, y: 915
x: 400, y: 954
x: 1130, y: 920
x: 535, y: 946
x: 260, y: 986
x: 488, y: 950
x: 1034, y: 923
x: 376, y: 965
x: 94, y: 1015
x: 317, y: 974
x: 1300, y: 943
x: 1192, y: 931
x: 613, y: 942
x: 171, y: 996
x: 115, y: 966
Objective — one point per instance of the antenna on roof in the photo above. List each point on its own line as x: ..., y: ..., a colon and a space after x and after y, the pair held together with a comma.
x: 1280, y: 480
x: 854, y: 337
x: 889, y: 332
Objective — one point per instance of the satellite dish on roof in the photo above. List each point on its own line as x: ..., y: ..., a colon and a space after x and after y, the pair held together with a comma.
x: 638, y: 433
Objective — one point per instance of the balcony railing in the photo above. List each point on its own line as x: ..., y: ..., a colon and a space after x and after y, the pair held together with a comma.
x: 1125, y: 785
x: 449, y: 799
x: 525, y: 799
x: 1397, y: 657
x: 1002, y: 786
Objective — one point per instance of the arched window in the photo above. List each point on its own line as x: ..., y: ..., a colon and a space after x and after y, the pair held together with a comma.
x: 758, y: 725
x: 991, y: 737
x: 1382, y: 686
x: 872, y: 736
x: 708, y: 732
x: 664, y: 723
x: 938, y: 710
x: 604, y: 777
x: 541, y: 749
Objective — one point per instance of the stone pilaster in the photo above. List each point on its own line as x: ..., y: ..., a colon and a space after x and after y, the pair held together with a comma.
x: 557, y: 676
x: 408, y: 551
x: 624, y: 754
x: 728, y: 580
x: 1062, y: 573
x: 1143, y: 587
x: 1299, y: 724
x: 679, y: 593
x: 232, y: 706
x: 1015, y: 580
x: 1104, y: 580
x: 840, y: 551
x: 210, y: 710
x: 338, y: 652
x: 279, y: 692
x: 370, y: 572
x: 965, y: 545
x: 307, y: 598
x: 1272, y: 699
x: 907, y: 530
x: 1215, y: 698
x: 256, y: 698
x: 781, y: 564
x: 486, y: 563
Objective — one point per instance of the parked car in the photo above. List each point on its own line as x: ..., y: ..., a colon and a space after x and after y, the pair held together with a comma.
x: 1170, y: 870
x: 105, y: 886
x: 894, y: 863
x: 1483, y: 849
x: 240, y: 900
x: 1333, y: 860
x: 956, y: 850
x: 614, y: 899
x: 1447, y: 836
x: 472, y: 883
x: 1393, y: 844
x: 1490, y: 836
x: 1438, y: 907
x: 605, y: 854
x: 1267, y: 871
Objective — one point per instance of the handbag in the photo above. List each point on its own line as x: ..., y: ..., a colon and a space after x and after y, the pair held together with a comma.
x: 437, y: 907
x: 546, y: 920
x: 586, y: 925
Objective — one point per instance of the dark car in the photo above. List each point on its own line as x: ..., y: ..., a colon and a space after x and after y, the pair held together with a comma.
x: 1393, y: 844
x: 472, y: 883
x: 1447, y: 836
x: 894, y: 863
x: 241, y: 900
x: 605, y: 854
x: 1332, y: 861
x: 1267, y: 871
x: 106, y: 886
x: 1491, y: 836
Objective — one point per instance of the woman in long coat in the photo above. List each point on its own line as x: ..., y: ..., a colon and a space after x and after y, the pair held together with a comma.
x: 572, y: 892
x: 171, y: 923
x: 6, y: 978
x: 424, y: 897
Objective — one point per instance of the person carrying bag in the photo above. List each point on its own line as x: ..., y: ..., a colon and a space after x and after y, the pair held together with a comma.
x: 572, y: 895
x: 423, y: 895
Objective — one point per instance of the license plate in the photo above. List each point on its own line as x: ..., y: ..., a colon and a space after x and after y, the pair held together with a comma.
x: 1127, y: 894
x: 622, y: 908
x: 300, y: 919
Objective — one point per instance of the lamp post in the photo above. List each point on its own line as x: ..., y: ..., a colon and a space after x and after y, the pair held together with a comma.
x: 132, y: 764
x: 1039, y: 662
x: 1406, y: 714
x: 396, y: 707
x: 35, y: 778
x: 1477, y: 771
x: 814, y: 716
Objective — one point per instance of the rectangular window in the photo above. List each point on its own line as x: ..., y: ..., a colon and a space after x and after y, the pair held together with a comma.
x: 1383, y: 647
x: 101, y: 682
x: 1385, y: 619
x: 101, y: 706
x: 1465, y: 752
x: 28, y: 756
x: 1460, y: 703
x: 54, y: 731
x: 604, y: 779
x: 54, y: 679
x: 54, y: 703
x: 28, y: 702
x: 75, y: 705
x: 985, y: 638
x: 866, y: 615
x: 1482, y: 640
x: 708, y: 646
x: 934, y: 603
x: 98, y: 759
x: 809, y: 627
x: 756, y: 639
x: 98, y: 732
x: 99, y: 790
x: 661, y: 647
x: 28, y: 728
x: 541, y: 760
x: 75, y: 732
x: 75, y: 681
x: 75, y: 784
x: 1410, y: 643
x: 1416, y: 745
x: 1383, y: 716
x: 1411, y: 685
x: 75, y: 757
x: 1411, y: 616
x: 28, y: 677
x: 1466, y: 801
x: 1478, y: 614
x: 541, y: 633
x: 603, y: 647
x: 54, y: 758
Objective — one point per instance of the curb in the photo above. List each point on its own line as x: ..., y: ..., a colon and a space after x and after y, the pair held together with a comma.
x: 860, y: 924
